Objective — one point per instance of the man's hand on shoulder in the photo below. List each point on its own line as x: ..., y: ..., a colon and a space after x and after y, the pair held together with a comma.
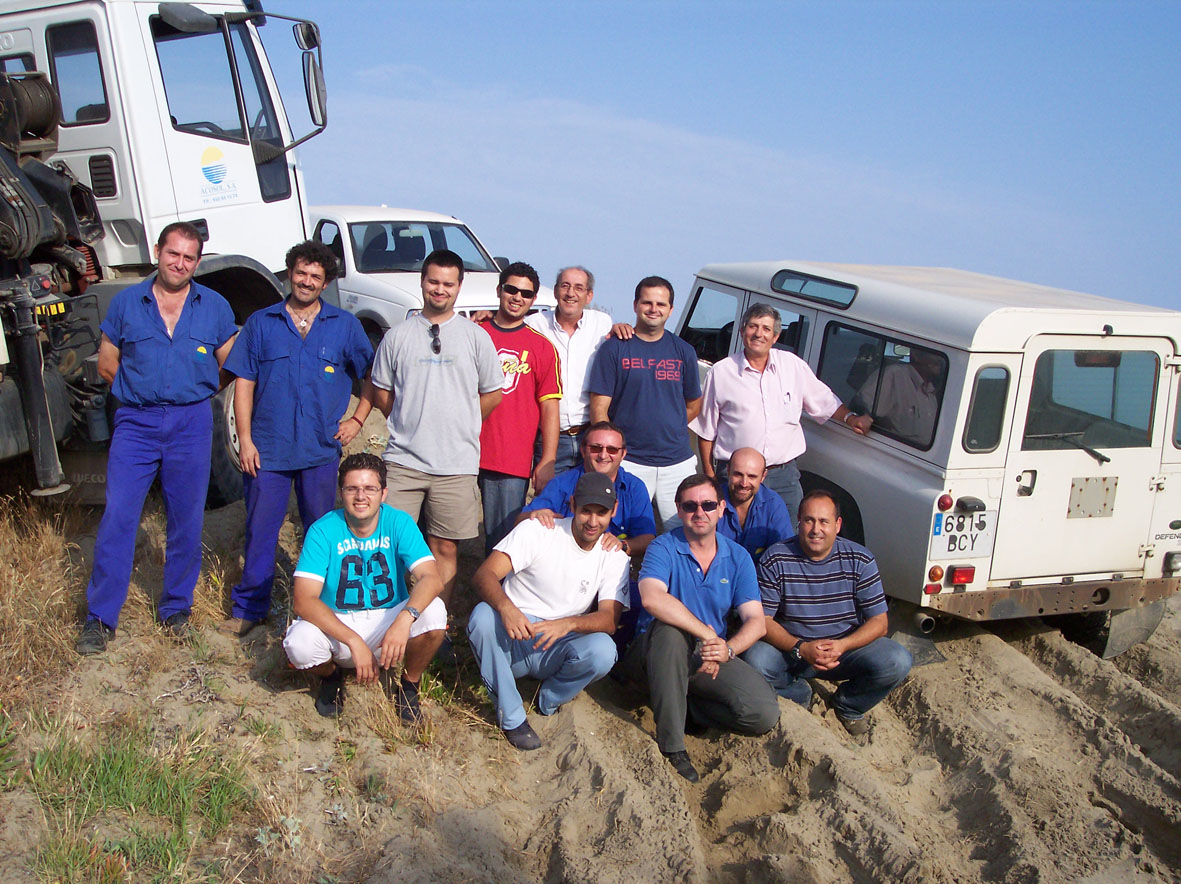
x: 621, y: 330
x: 546, y: 517
x: 610, y: 542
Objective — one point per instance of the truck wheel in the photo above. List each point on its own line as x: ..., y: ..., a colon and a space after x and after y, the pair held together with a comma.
x: 225, y: 469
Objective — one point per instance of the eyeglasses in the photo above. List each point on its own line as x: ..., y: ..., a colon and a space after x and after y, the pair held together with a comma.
x: 578, y: 289
x: 527, y: 294
x: 596, y: 448
x: 691, y: 506
x: 355, y: 490
x: 436, y: 345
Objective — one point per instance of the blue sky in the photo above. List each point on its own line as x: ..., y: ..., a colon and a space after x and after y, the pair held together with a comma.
x: 1037, y: 141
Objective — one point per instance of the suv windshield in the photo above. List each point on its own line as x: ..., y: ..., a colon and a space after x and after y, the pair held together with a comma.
x: 1093, y: 398
x: 401, y: 246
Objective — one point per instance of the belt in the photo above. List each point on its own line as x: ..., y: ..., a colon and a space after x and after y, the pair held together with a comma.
x: 718, y: 464
x: 574, y: 431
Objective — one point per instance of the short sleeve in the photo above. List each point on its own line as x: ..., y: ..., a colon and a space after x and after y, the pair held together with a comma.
x: 523, y: 543
x: 869, y: 595
x: 604, y: 373
x: 360, y: 351
x: 745, y: 583
x: 489, y: 372
x: 384, y: 375
x: 614, y: 586
x: 225, y: 324
x: 639, y: 510
x: 409, y: 545
x: 818, y: 400
x: 112, y: 324
x: 658, y: 560
x: 549, y: 373
x: 780, y: 521
x: 314, y: 557
x: 768, y: 577
x: 243, y: 358
x: 554, y: 496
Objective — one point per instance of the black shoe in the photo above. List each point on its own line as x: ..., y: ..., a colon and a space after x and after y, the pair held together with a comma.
x: 857, y: 727
x: 523, y: 737
x: 406, y: 701
x: 177, y: 625
x: 330, y: 700
x: 680, y: 761
x: 94, y: 637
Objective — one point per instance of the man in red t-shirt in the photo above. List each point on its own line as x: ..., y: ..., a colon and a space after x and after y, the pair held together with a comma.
x: 532, y: 388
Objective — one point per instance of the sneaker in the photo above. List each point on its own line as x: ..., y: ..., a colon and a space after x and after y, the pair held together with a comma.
x: 239, y: 627
x: 94, y: 637
x: 681, y: 763
x: 857, y: 727
x: 330, y: 699
x: 406, y: 701
x: 177, y: 625
x: 523, y: 737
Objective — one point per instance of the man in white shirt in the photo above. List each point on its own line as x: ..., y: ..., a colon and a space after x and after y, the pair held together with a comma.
x: 553, y: 617
x: 576, y: 333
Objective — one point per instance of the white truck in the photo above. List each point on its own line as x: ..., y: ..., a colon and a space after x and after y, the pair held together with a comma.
x: 1025, y: 458
x: 119, y: 117
x: 380, y: 251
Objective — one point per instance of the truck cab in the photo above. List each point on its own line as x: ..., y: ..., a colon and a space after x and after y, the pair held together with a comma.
x: 1025, y: 458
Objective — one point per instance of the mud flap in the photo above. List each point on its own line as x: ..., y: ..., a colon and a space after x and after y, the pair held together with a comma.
x: 1131, y: 627
x: 907, y: 623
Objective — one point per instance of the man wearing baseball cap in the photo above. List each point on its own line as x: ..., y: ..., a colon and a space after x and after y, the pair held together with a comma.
x: 552, y: 619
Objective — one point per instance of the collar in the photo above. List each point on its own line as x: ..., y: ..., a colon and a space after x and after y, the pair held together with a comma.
x: 743, y: 364
x: 681, y: 545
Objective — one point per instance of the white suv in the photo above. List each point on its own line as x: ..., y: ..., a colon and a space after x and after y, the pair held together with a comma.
x: 381, y: 251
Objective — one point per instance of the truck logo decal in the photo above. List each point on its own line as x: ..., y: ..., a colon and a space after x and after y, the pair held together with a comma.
x: 212, y: 166
x: 220, y: 187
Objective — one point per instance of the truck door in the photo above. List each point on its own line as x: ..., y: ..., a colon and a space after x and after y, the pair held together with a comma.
x: 1078, y: 493
x: 218, y: 105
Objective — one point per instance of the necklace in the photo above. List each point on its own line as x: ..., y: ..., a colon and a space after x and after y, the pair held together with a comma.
x: 303, y: 318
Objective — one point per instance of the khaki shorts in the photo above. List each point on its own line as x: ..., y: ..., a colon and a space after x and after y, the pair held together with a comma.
x: 449, y: 505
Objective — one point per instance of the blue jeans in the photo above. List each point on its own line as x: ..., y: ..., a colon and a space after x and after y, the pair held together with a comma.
x: 867, y: 674
x: 174, y: 442
x: 503, y: 496
x: 568, y: 666
x: 569, y: 452
x: 266, y: 507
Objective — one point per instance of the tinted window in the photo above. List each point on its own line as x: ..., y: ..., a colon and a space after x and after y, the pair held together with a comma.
x: 1096, y: 398
x: 814, y: 288
x: 899, y: 384
x: 77, y: 73
x: 710, y: 324
x: 205, y: 104
x: 986, y: 413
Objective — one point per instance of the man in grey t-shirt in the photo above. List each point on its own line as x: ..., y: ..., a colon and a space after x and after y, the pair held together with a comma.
x: 436, y: 377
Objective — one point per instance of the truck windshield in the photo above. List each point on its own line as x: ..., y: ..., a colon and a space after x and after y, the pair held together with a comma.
x: 1097, y: 399
x: 401, y: 246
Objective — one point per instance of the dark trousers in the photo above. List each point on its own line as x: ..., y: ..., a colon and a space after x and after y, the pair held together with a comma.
x: 738, y: 700
x: 173, y: 442
x: 266, y: 506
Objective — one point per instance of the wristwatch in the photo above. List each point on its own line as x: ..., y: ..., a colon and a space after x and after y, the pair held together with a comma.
x: 794, y: 654
x: 731, y: 650
x: 412, y: 611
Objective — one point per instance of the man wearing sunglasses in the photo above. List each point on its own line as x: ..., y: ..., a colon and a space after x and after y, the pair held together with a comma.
x: 691, y: 580
x: 532, y: 393
x: 436, y: 377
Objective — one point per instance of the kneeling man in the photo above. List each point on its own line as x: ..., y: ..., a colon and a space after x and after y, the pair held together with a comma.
x: 554, y: 616
x: 826, y: 617
x: 692, y: 578
x: 351, y: 598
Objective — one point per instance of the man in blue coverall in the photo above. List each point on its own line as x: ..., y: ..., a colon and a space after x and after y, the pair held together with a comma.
x: 163, y: 343
x: 295, y: 362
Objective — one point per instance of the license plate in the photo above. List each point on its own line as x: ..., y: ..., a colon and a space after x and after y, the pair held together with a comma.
x: 962, y: 535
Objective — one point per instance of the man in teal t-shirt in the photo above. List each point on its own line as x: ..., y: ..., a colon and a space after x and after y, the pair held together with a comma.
x: 350, y: 594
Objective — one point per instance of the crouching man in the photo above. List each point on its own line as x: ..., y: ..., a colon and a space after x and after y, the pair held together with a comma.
x: 826, y: 618
x: 351, y: 598
x: 692, y: 578
x: 553, y: 617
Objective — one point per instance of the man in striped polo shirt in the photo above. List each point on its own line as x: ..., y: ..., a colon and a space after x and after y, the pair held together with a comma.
x: 826, y: 618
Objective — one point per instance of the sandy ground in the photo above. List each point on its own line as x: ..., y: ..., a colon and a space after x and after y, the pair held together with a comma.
x: 1021, y: 758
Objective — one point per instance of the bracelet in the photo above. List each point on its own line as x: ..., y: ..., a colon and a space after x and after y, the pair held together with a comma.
x: 358, y: 420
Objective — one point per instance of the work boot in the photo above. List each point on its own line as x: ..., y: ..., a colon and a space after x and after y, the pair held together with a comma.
x: 177, y: 625
x: 330, y: 699
x: 857, y: 727
x: 523, y: 737
x: 94, y: 637
x: 406, y: 701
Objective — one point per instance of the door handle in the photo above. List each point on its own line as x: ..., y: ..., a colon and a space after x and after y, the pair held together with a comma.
x: 1026, y: 481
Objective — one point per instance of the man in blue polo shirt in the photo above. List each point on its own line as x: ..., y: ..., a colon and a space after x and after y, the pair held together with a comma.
x: 826, y: 618
x: 295, y: 362
x: 163, y: 343
x: 691, y: 580
x: 754, y: 517
x: 603, y: 448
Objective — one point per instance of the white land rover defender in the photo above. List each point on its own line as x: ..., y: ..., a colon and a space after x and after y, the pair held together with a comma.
x: 1025, y: 458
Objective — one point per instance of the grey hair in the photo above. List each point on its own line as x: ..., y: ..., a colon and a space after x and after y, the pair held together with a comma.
x: 590, y: 277
x: 758, y: 311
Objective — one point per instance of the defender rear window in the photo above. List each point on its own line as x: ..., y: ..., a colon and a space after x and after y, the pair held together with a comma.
x: 986, y: 413
x: 77, y: 73
x: 823, y: 291
x: 710, y: 324
x: 899, y: 384
x: 1091, y: 399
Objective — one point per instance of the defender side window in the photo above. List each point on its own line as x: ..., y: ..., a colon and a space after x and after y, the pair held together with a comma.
x: 899, y: 384
x: 77, y: 73
x: 986, y: 412
x: 710, y: 326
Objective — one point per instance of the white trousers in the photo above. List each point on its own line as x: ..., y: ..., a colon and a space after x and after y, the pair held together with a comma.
x: 662, y: 483
x: 307, y: 646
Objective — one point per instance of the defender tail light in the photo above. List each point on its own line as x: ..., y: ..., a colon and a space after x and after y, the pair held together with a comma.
x: 960, y: 575
x: 944, y: 503
x: 932, y: 588
x: 935, y: 574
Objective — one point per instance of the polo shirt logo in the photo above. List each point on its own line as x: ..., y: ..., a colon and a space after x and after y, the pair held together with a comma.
x: 724, y: 580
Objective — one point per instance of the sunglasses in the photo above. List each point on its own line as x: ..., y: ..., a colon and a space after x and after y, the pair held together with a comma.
x: 596, y: 448
x: 527, y: 294
x: 691, y: 506
x: 436, y: 345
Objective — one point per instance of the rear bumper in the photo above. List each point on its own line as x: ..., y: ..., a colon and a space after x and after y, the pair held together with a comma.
x: 1037, y: 601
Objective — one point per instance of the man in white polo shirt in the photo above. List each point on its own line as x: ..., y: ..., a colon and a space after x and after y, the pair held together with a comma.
x: 553, y: 617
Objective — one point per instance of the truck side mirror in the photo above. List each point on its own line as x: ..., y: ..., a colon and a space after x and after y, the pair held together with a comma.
x: 317, y: 92
x: 187, y: 18
x: 307, y: 35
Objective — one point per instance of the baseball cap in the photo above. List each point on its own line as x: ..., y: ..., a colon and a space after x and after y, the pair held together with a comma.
x: 595, y: 488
